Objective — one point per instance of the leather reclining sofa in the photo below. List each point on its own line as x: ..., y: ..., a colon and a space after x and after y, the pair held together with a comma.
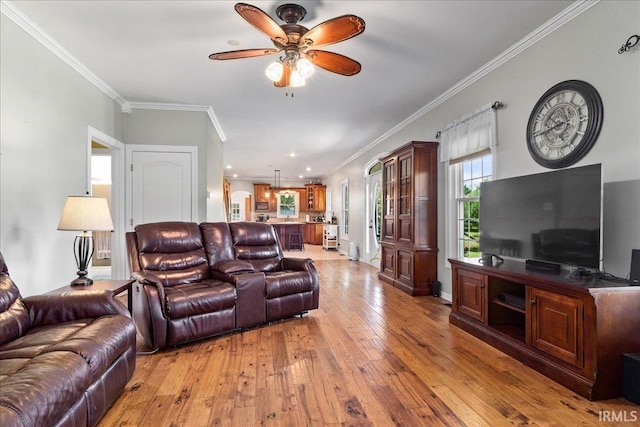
x: 64, y: 358
x: 199, y: 280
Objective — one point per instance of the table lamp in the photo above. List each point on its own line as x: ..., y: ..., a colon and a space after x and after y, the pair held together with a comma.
x: 84, y: 213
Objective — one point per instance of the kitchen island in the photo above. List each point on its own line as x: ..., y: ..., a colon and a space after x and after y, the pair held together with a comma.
x: 285, y: 230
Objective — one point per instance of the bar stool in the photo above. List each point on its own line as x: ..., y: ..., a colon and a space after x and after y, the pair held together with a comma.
x: 295, y: 242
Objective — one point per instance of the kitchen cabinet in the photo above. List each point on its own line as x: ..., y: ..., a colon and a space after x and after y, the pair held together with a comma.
x: 315, y: 196
x: 409, y: 218
x: 571, y: 329
x: 285, y: 230
x: 264, y: 197
x: 312, y: 233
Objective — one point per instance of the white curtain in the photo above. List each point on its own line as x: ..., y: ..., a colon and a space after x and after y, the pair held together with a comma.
x: 102, y: 244
x: 472, y: 133
x: 469, y: 134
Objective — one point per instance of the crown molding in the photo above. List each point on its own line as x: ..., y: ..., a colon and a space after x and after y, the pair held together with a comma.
x: 20, y: 19
x: 575, y: 9
x: 38, y: 33
x: 182, y: 107
x: 532, y: 38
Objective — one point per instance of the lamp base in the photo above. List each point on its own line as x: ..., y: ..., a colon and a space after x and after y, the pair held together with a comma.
x: 82, y: 280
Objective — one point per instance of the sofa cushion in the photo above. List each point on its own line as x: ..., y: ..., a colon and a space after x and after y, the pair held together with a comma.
x: 38, y: 391
x: 257, y: 243
x: 172, y: 251
x: 217, y: 241
x: 99, y: 342
x: 286, y: 282
x: 14, y: 317
x: 203, y: 297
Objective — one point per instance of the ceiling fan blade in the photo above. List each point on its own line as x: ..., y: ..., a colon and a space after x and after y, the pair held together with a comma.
x: 286, y: 77
x: 333, y: 31
x: 333, y: 62
x: 262, y: 22
x: 246, y: 53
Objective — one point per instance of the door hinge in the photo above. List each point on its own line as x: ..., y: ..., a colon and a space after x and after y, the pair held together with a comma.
x: 131, y: 222
x: 131, y: 167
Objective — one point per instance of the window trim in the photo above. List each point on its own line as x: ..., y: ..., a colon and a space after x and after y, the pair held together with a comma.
x: 454, y: 197
x: 344, y: 209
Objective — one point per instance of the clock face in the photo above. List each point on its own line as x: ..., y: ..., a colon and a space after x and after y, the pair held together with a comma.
x: 564, y: 124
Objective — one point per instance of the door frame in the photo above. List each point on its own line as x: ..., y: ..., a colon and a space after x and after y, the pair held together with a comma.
x: 371, y: 258
x: 119, y: 268
x: 132, y: 148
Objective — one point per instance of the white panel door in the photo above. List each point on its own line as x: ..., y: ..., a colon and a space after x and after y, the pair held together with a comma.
x: 163, y: 184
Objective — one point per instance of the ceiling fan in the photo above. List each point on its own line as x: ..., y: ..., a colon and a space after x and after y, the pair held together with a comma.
x: 298, y: 43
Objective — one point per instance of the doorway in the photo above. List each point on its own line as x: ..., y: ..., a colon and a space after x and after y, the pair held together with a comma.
x: 240, y: 209
x: 108, y: 150
x: 373, y: 213
x: 101, y: 187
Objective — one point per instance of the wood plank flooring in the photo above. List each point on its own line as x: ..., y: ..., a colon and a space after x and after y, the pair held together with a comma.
x: 369, y: 356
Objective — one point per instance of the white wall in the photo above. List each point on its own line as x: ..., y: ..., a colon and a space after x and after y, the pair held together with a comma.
x: 46, y: 108
x: 585, y: 49
x: 189, y: 128
x: 44, y: 113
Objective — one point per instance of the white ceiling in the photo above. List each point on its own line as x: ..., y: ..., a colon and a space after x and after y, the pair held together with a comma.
x: 411, y: 52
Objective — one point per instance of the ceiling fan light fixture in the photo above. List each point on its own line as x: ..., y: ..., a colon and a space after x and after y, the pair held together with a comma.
x: 296, y: 79
x: 274, y: 71
x: 305, y: 68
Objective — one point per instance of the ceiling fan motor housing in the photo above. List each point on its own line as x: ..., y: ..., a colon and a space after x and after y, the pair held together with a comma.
x: 291, y: 13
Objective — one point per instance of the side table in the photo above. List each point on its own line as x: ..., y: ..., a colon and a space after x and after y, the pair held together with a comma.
x: 115, y: 286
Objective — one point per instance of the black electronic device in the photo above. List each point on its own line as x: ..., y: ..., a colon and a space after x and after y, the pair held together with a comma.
x: 542, y: 265
x: 511, y: 299
x: 634, y: 276
x: 549, y: 219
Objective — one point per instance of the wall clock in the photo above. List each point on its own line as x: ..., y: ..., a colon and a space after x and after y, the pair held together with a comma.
x: 564, y: 124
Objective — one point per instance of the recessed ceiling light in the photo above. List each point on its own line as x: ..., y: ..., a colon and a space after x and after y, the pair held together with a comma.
x: 308, y: 168
x: 300, y: 176
x: 228, y: 166
x: 292, y: 154
x: 235, y: 175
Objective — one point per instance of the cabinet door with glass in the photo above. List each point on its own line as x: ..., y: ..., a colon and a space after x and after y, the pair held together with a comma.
x: 388, y: 200
x: 405, y: 192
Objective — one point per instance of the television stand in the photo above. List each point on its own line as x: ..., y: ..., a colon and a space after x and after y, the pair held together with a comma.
x: 572, y: 330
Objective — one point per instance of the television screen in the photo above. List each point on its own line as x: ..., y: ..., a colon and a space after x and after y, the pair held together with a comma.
x: 552, y: 216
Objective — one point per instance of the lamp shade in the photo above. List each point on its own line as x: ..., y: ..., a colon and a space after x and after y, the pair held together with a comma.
x: 85, y: 213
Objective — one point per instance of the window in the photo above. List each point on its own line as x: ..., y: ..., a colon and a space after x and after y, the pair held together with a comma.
x: 288, y: 204
x: 345, y: 209
x: 470, y: 173
x: 467, y: 146
x: 235, y: 211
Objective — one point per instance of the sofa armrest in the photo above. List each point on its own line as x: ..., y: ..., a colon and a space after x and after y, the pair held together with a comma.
x: 232, y: 267
x: 297, y: 264
x: 146, y: 278
x: 251, y: 293
x: 47, y: 309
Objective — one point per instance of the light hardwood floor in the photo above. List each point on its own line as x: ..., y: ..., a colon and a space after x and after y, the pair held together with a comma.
x: 369, y: 356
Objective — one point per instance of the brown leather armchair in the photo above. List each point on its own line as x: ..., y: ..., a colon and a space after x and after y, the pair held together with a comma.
x: 175, y: 299
x: 291, y: 284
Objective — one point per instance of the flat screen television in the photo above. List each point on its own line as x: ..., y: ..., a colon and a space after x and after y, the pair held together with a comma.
x: 554, y: 217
